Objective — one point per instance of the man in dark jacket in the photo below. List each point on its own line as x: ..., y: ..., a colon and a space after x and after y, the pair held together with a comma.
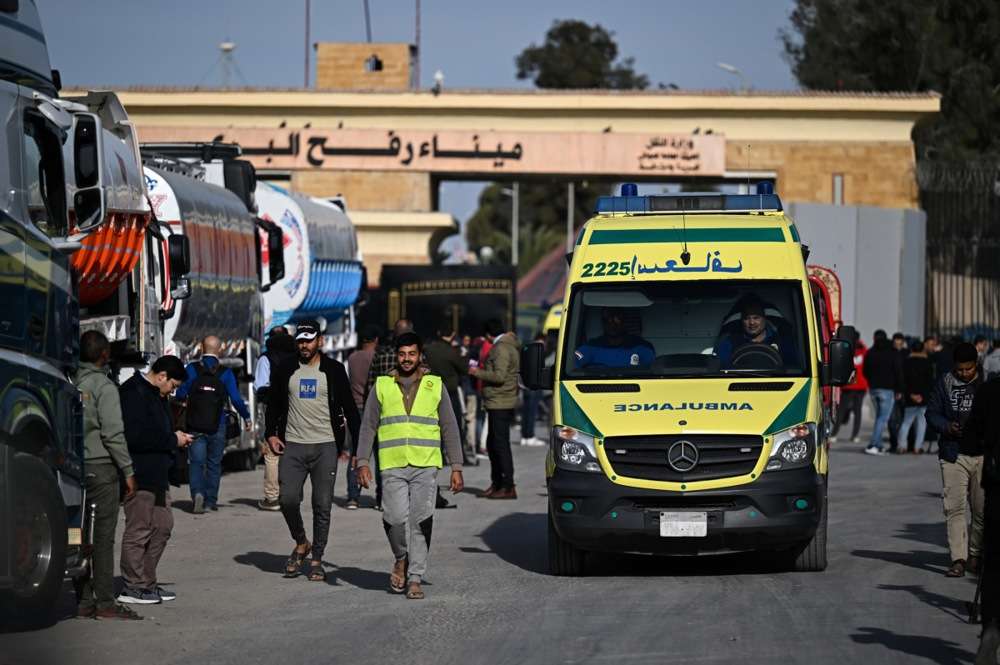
x: 983, y: 427
x: 918, y: 379
x: 152, y: 443
x: 961, y: 458
x: 306, y: 408
x: 884, y: 371
x: 444, y: 360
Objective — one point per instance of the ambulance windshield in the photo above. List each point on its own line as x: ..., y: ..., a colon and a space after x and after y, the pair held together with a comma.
x: 686, y: 329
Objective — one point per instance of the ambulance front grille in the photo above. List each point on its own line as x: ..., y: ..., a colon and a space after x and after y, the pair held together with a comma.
x: 719, y: 456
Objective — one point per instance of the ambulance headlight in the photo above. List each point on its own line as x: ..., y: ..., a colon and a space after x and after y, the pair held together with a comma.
x: 574, y: 450
x: 793, y: 448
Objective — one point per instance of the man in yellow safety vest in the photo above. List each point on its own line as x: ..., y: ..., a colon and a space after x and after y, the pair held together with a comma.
x: 411, y: 414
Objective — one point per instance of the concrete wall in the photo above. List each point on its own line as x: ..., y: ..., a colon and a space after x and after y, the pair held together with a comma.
x: 341, y: 66
x: 879, y: 256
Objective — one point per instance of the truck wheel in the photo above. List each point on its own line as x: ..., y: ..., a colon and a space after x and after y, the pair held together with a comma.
x: 39, y: 535
x: 565, y: 559
x: 812, y: 557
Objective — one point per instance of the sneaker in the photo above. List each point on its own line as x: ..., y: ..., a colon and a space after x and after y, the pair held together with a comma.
x: 118, y: 611
x: 855, y: 439
x: 199, y: 505
x: 214, y: 508
x: 165, y: 594
x: 504, y: 494
x: 833, y: 439
x: 139, y: 597
x: 378, y: 507
x: 352, y: 504
x: 871, y: 450
x: 86, y: 611
x: 269, y: 504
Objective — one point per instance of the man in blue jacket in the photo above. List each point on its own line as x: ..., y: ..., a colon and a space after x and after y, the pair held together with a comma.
x: 961, y: 458
x: 205, y: 454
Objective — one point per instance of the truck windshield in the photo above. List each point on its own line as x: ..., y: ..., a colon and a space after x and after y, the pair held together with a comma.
x: 686, y: 329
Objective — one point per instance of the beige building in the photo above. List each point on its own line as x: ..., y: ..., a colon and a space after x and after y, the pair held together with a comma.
x: 386, y: 147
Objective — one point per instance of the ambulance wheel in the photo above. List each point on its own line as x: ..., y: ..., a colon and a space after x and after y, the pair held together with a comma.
x: 39, y: 538
x: 811, y: 558
x: 565, y: 560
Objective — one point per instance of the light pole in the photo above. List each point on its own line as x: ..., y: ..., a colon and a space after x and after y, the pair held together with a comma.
x: 732, y: 69
x: 515, y: 195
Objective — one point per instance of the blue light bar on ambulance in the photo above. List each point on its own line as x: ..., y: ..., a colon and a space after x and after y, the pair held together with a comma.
x: 688, y: 202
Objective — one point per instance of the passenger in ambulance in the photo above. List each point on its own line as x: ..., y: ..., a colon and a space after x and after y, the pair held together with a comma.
x: 616, y: 347
x: 754, y: 328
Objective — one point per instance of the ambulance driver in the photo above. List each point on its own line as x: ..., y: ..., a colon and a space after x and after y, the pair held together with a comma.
x: 615, y: 348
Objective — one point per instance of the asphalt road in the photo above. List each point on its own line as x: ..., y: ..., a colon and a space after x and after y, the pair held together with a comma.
x: 883, y: 598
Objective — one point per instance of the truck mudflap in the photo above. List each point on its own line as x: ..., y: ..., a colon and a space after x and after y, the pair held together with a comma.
x: 778, y: 511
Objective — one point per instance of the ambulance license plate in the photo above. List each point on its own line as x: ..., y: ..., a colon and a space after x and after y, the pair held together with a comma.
x: 683, y: 525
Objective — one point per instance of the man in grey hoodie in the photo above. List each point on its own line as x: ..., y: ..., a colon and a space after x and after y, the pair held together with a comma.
x: 106, y: 456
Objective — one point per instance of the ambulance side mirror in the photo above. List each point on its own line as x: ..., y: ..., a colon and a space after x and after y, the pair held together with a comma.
x: 838, y: 370
x: 534, y: 373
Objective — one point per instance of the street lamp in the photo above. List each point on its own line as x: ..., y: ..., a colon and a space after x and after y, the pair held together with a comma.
x: 732, y: 69
x: 514, y: 194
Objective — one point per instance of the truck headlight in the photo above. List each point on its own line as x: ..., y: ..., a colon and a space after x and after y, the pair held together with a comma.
x: 574, y: 450
x: 793, y: 448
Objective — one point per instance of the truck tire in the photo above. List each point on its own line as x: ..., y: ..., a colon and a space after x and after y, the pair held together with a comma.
x: 812, y: 557
x: 565, y: 559
x: 39, y: 534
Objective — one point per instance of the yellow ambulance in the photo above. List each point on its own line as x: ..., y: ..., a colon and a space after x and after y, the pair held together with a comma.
x: 688, y: 403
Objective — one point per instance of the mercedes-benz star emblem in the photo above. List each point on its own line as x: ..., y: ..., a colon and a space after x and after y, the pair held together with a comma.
x: 682, y: 456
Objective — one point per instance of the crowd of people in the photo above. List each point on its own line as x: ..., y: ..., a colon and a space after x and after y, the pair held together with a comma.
x: 398, y: 411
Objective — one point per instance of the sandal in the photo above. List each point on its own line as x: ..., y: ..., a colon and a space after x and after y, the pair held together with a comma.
x: 414, y: 592
x: 397, y: 581
x: 316, y: 572
x: 957, y: 569
x: 293, y: 566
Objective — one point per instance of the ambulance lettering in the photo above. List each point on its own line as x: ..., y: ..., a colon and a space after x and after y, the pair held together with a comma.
x: 683, y: 406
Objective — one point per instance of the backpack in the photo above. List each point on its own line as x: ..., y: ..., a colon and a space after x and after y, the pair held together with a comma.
x: 206, y: 400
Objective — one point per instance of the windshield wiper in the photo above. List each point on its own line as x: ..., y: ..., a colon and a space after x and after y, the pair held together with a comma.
x: 749, y: 372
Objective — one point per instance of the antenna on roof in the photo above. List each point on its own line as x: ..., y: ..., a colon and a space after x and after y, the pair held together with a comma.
x: 748, y: 168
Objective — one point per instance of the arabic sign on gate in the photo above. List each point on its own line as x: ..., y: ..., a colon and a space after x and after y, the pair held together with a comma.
x: 611, y: 153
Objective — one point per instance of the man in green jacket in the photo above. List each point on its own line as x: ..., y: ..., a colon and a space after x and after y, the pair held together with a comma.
x: 105, y: 457
x: 499, y: 377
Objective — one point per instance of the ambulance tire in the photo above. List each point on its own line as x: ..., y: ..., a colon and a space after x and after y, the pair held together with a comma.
x: 565, y: 560
x: 812, y: 557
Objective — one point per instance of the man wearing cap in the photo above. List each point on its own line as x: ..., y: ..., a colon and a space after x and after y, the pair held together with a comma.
x: 307, y: 403
x: 410, y: 412
x: 754, y: 329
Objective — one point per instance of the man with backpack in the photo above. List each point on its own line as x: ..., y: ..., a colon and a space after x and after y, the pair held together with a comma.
x: 208, y: 389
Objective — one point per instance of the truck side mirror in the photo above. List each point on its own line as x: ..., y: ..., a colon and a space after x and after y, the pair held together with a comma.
x: 89, y: 204
x: 840, y: 367
x: 181, y: 288
x: 534, y: 373
x: 275, y: 253
x: 179, y: 255
x: 240, y: 178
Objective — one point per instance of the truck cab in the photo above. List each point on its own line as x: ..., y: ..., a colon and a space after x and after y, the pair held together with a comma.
x: 688, y: 404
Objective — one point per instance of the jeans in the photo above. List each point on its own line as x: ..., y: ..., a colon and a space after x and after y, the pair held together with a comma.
x: 911, y: 415
x: 498, y: 447
x: 318, y: 462
x: 205, y: 465
x: 103, y: 490
x: 353, y: 488
x: 882, y: 402
x: 529, y: 413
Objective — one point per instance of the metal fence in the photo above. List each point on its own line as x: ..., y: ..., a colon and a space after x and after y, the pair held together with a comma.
x: 962, y: 203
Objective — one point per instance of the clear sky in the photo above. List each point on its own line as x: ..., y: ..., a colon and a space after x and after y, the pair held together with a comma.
x: 473, y: 42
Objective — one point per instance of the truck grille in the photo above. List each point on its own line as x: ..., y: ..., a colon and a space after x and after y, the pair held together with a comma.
x: 645, y: 457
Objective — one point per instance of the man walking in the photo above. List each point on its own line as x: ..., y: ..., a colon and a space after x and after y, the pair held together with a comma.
x: 884, y: 371
x: 207, y: 389
x: 961, y: 458
x: 983, y: 427
x: 105, y: 457
x: 280, y: 350
x: 358, y: 364
x: 410, y: 412
x: 305, y: 408
x: 852, y: 395
x: 918, y: 379
x: 499, y: 377
x: 152, y: 444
